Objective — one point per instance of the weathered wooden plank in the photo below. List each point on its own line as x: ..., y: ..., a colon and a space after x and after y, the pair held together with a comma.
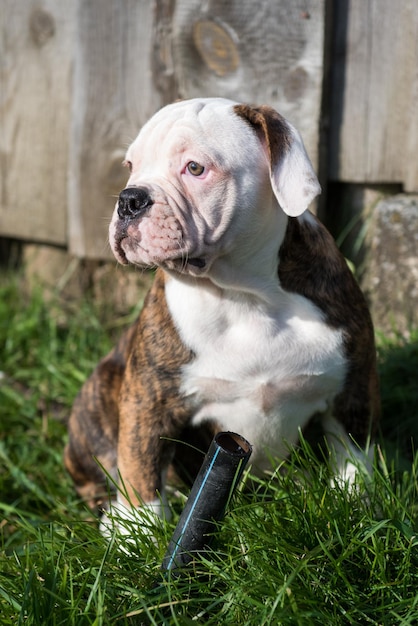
x: 410, y: 159
x: 259, y: 52
x: 374, y: 128
x: 35, y: 56
x: 114, y: 94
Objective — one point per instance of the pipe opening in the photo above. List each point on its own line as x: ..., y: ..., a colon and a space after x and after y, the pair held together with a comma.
x: 233, y: 443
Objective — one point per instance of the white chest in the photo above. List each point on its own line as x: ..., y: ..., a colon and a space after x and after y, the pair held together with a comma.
x: 259, y: 370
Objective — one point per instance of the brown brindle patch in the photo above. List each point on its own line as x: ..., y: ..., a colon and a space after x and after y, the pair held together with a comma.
x: 94, y: 423
x: 311, y: 265
x: 152, y: 412
x: 129, y: 411
x: 271, y: 129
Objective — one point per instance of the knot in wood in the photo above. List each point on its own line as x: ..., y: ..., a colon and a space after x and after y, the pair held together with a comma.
x: 216, y: 46
x: 41, y: 26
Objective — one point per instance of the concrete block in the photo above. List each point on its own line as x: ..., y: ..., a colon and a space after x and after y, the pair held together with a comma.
x: 390, y: 278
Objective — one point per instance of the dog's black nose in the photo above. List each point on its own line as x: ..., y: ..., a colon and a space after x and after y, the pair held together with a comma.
x: 133, y: 201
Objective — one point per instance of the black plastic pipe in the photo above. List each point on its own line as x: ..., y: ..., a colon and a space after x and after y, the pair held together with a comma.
x: 214, y: 486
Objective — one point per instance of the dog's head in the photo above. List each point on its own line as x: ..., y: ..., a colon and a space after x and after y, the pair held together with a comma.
x: 210, y: 180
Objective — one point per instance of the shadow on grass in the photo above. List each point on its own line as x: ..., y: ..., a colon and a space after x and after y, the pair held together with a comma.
x: 398, y: 369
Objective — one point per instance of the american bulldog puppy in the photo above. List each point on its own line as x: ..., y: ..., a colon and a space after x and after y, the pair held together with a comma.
x: 254, y: 322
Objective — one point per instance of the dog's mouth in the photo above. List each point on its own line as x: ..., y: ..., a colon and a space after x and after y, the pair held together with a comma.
x: 158, y: 237
x: 181, y: 264
x: 197, y: 262
x: 118, y: 250
x: 159, y: 242
x: 193, y: 266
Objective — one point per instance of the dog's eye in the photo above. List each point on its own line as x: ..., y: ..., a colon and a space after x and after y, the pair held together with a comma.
x: 195, y: 169
x: 128, y: 164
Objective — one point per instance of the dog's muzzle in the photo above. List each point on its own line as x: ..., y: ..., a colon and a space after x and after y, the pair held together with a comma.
x: 133, y: 201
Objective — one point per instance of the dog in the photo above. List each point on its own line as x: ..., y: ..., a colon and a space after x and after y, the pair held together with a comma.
x: 254, y: 323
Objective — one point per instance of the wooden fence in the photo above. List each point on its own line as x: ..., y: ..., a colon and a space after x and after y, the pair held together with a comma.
x: 79, y: 78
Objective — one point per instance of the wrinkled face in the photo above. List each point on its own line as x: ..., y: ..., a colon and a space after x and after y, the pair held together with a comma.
x: 198, y: 175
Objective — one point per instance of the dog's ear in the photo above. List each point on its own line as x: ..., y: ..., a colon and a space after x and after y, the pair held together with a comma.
x: 293, y: 179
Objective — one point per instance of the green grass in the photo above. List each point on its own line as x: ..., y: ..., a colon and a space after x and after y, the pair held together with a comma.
x: 290, y: 551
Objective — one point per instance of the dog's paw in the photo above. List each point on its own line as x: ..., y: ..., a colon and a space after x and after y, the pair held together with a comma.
x: 127, y: 521
x: 347, y: 460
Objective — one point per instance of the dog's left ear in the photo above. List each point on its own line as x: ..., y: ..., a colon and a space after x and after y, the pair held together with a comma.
x: 293, y: 179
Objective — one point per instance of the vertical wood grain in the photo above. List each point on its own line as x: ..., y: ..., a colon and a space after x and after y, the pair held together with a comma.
x: 113, y: 95
x: 36, y: 42
x: 374, y: 130
x: 78, y: 80
x: 257, y: 52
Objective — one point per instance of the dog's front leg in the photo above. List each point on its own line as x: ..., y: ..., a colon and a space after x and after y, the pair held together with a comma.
x: 147, y: 434
x: 145, y: 450
x: 152, y: 411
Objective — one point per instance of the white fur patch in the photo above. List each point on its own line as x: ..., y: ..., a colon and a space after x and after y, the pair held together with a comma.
x: 293, y: 178
x: 260, y: 369
x: 124, y: 518
x: 347, y: 460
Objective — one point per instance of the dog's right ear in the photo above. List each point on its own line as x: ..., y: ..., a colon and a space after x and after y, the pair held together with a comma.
x: 292, y: 176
